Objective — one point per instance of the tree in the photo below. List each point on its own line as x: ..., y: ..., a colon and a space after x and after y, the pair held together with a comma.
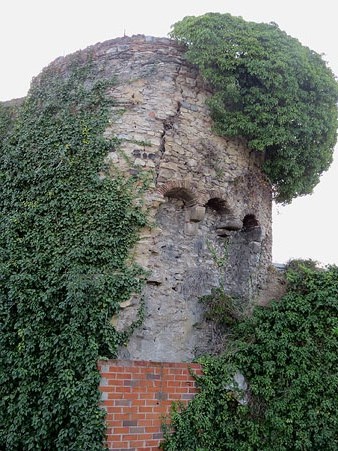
x: 270, y: 89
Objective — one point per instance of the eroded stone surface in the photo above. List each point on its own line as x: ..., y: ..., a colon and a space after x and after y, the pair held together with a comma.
x: 203, y: 188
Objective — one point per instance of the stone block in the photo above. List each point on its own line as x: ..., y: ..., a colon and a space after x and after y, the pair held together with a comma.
x: 230, y: 223
x: 223, y: 232
x: 196, y: 213
x: 191, y: 228
x: 156, y: 278
x: 126, y: 304
x: 255, y: 247
x: 254, y: 234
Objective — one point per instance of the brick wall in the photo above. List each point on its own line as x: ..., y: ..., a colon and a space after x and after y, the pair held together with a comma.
x: 136, y: 394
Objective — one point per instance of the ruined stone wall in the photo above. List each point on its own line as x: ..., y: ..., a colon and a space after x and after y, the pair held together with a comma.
x: 209, y: 204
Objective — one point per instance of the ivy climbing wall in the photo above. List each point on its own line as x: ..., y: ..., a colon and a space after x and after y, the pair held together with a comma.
x: 120, y: 207
x: 207, y: 201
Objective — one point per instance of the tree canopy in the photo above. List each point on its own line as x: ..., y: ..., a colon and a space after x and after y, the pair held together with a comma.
x: 270, y: 89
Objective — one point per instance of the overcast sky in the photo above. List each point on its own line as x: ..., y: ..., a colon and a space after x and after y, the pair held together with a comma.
x: 35, y: 32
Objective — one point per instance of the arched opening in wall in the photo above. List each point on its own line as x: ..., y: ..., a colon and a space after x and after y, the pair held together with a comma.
x: 182, y: 194
x: 219, y: 205
x: 249, y: 222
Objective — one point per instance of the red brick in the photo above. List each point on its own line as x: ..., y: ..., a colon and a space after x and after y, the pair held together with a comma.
x: 139, y: 402
x: 180, y: 390
x: 145, y: 436
x: 122, y: 417
x: 120, y: 430
x: 117, y: 382
x: 118, y: 445
x: 137, y: 444
x: 152, y: 443
x: 122, y: 376
x: 139, y: 394
x: 182, y: 377
x: 175, y: 371
x: 135, y: 370
x: 151, y: 416
x: 146, y: 409
x: 123, y: 389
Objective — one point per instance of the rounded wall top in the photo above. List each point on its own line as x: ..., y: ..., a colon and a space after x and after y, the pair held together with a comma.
x: 123, y: 47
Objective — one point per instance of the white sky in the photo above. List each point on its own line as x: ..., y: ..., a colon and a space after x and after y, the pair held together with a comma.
x: 35, y: 32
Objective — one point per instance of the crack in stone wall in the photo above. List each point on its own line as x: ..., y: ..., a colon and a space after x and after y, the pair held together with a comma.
x: 168, y: 124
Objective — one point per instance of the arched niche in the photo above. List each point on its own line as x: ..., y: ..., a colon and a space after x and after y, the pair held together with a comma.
x: 252, y: 228
x: 183, y: 194
x: 219, y: 205
x: 249, y: 222
x: 227, y: 221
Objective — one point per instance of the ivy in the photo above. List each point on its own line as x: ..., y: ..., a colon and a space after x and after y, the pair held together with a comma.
x: 269, y: 89
x: 66, y: 232
x: 223, y: 309
x: 287, y: 353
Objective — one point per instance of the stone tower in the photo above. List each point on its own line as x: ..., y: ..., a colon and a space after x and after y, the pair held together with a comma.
x: 209, y: 202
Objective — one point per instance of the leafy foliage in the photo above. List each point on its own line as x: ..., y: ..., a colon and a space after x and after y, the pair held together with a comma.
x: 65, y: 235
x: 7, y: 115
x: 223, y: 309
x: 271, y: 90
x: 288, y: 355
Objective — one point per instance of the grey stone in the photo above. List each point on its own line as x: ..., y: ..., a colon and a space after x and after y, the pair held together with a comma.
x: 254, y: 234
x: 230, y: 223
x: 193, y: 249
x: 156, y: 278
x: 190, y: 228
x: 223, y: 232
x: 196, y: 213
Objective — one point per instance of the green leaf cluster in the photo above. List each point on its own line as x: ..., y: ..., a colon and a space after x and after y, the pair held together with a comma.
x: 223, y: 309
x: 269, y: 89
x: 287, y: 353
x: 66, y: 232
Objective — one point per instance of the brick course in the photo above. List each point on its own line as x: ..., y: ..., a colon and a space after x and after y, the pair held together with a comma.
x: 136, y: 395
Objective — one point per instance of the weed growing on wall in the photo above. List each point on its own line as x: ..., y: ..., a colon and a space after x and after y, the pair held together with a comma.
x: 65, y: 235
x: 287, y: 353
x: 223, y: 309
